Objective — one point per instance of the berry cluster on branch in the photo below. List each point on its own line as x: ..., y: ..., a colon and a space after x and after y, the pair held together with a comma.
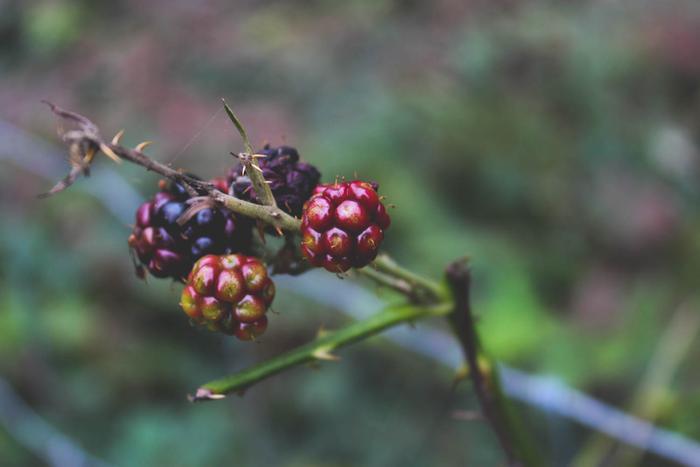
x: 202, y: 233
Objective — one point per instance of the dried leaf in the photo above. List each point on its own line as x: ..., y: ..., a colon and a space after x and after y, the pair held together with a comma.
x: 239, y: 126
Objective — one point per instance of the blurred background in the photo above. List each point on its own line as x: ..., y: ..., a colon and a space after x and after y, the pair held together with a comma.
x: 554, y: 142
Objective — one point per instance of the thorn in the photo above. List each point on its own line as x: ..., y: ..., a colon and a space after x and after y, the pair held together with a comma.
x: 324, y: 353
x: 117, y: 137
x: 204, y: 394
x: 258, y: 156
x: 279, y: 231
x: 391, y: 205
x: 141, y: 146
x: 322, y: 332
x: 110, y: 153
x: 256, y: 168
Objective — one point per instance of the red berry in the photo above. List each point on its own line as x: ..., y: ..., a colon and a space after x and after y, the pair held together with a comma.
x: 188, y: 302
x: 230, y: 286
x: 250, y: 331
x: 365, y: 194
x: 382, y: 218
x: 368, y: 242
x: 255, y: 275
x: 312, y: 240
x: 337, y: 264
x: 343, y: 226
x: 229, y: 293
x: 337, y: 242
x: 203, y: 279
x: 336, y: 193
x: 351, y: 216
x: 318, y: 213
x: 250, y: 308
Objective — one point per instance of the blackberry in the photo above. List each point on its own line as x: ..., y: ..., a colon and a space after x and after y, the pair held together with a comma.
x: 168, y: 249
x: 229, y: 293
x: 291, y: 181
x: 343, y: 225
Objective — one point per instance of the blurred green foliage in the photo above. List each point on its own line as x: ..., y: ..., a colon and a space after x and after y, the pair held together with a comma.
x: 555, y: 143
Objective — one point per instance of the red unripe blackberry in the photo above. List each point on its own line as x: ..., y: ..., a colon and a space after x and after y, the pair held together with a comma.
x: 343, y: 225
x: 167, y: 248
x: 229, y: 293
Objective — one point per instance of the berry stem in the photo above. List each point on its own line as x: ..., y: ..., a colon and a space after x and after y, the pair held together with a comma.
x: 393, y: 283
x: 386, y: 265
x: 320, y: 349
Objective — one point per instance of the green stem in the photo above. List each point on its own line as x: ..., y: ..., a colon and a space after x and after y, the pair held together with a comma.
x: 388, y: 266
x: 320, y: 349
x: 393, y: 283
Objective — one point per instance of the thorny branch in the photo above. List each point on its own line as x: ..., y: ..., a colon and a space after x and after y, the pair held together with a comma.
x: 86, y: 140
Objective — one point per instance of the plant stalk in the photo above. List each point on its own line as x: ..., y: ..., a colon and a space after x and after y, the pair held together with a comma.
x: 319, y: 349
x: 493, y: 402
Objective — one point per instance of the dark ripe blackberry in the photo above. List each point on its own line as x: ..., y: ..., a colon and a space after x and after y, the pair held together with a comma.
x: 292, y: 182
x: 167, y: 248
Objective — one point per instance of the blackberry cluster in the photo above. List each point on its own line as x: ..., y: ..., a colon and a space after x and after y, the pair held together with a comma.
x: 343, y: 225
x: 292, y: 182
x: 230, y: 294
x: 167, y: 249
